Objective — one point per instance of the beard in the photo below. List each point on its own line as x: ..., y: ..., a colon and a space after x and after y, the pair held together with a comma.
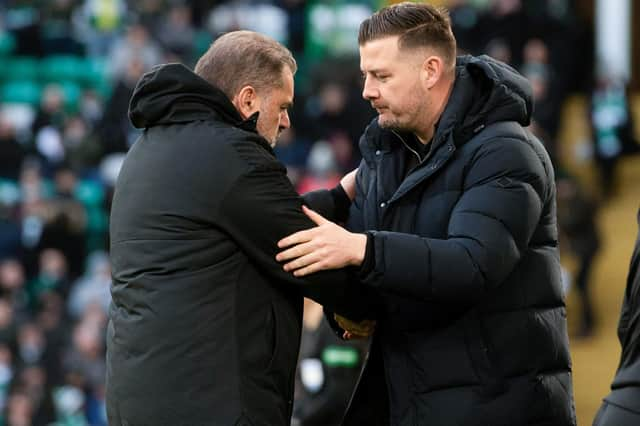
x: 411, y: 113
x: 394, y: 123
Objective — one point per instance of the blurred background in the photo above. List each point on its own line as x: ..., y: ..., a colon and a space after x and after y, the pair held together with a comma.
x: 68, y: 68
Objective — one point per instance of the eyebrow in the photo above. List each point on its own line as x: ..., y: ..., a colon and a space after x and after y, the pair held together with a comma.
x: 374, y: 71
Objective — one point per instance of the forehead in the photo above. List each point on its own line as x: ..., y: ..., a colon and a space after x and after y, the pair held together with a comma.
x: 284, y: 92
x: 382, y: 52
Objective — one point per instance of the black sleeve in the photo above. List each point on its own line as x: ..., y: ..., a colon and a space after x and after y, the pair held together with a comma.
x: 261, y: 208
x: 333, y: 204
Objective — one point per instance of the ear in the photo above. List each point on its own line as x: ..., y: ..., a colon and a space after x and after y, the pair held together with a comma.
x: 432, y: 70
x: 246, y: 101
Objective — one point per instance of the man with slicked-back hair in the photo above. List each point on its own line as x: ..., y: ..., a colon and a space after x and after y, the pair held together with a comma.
x: 454, y: 219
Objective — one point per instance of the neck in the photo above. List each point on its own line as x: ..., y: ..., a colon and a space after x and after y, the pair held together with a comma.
x: 441, y: 93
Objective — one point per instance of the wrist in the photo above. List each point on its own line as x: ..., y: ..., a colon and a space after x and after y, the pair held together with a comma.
x: 360, y: 248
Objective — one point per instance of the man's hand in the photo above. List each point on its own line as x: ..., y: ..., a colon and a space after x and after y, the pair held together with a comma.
x: 348, y: 183
x: 327, y: 246
x: 355, y: 330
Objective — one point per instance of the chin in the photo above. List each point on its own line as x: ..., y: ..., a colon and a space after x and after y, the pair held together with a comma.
x: 389, y: 123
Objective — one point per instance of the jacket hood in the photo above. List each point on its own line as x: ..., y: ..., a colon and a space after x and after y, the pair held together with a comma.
x: 172, y: 93
x: 486, y: 91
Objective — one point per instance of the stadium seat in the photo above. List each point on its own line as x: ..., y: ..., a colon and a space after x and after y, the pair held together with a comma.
x: 72, y: 93
x: 19, y: 68
x: 61, y: 68
x: 21, y: 92
x: 7, y: 44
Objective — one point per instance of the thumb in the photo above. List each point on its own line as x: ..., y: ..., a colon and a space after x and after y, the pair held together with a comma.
x: 316, y: 217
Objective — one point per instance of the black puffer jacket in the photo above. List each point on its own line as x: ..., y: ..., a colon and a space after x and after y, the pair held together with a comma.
x: 625, y: 389
x: 205, y: 324
x: 465, y: 256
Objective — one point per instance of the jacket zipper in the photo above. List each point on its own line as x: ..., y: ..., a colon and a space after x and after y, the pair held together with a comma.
x: 420, y: 160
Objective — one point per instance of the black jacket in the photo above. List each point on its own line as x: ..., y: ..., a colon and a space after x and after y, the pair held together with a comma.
x: 464, y: 252
x: 205, y: 324
x: 625, y: 389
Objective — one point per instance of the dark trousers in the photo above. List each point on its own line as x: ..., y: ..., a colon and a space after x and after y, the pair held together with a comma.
x: 613, y: 415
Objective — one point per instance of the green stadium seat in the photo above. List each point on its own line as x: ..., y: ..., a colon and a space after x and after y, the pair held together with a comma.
x: 72, y: 93
x: 7, y: 44
x: 21, y: 92
x: 93, y: 72
x: 19, y: 68
x: 201, y: 43
x: 61, y: 68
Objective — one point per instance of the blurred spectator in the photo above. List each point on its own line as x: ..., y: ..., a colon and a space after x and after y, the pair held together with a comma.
x: 32, y: 380
x: 57, y: 33
x: 20, y: 409
x: 622, y: 406
x: 98, y: 22
x: 82, y: 149
x: 91, y: 108
x: 464, y: 19
x: 52, y: 276
x: 577, y: 225
x: 136, y: 46
x: 612, y: 128
x: 31, y: 345
x: 13, y: 288
x: 327, y: 372
x: 86, y: 357
x: 6, y: 374
x: 23, y: 20
x: 93, y: 287
x: 507, y: 20
x: 498, y: 49
x: 116, y: 132
x: 51, y: 111
x: 262, y: 17
x: 293, y: 150
x: 11, y: 151
x: 335, y: 115
x: 7, y: 323
x: 296, y: 19
x: 175, y: 33
x: 51, y: 320
x: 322, y: 169
x: 548, y: 100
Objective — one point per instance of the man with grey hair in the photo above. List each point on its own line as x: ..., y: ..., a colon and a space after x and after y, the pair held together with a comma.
x: 205, y: 325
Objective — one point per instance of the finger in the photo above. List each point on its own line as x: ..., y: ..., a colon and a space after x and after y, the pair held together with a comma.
x: 302, y: 262
x: 295, y: 252
x: 307, y: 270
x: 316, y: 217
x: 297, y: 238
x: 347, y: 336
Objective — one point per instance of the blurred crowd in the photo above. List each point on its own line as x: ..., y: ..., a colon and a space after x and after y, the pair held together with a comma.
x: 67, y: 71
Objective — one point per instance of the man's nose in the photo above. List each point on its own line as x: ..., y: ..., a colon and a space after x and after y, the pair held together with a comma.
x: 369, y: 91
x: 285, y: 123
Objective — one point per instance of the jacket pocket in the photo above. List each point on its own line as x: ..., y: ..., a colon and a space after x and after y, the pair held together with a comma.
x: 439, y: 360
x: 479, y: 350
